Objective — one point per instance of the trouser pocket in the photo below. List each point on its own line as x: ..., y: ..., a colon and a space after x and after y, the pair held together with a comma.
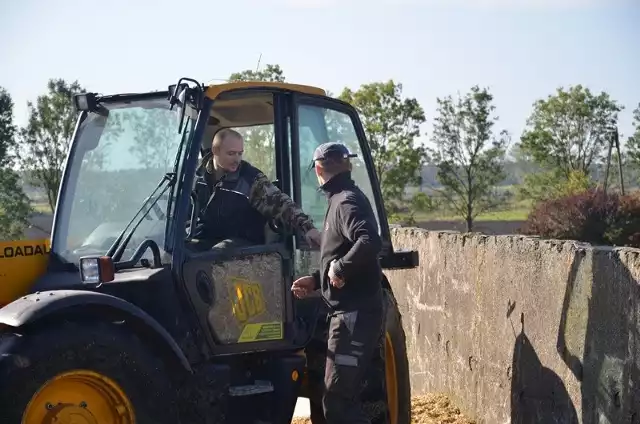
x: 353, y: 338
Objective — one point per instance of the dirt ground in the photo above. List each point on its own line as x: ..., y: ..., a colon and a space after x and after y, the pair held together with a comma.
x: 427, y: 409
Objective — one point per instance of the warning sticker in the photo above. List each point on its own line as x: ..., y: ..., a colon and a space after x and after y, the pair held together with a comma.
x: 261, y: 332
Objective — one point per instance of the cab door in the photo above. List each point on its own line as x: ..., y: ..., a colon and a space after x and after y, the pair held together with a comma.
x: 241, y: 293
x: 316, y: 120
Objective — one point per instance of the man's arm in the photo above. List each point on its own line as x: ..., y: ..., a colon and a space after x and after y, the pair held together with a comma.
x: 362, y: 231
x: 273, y: 203
x: 316, y: 279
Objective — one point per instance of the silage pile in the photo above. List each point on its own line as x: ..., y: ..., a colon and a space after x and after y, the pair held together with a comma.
x: 427, y: 409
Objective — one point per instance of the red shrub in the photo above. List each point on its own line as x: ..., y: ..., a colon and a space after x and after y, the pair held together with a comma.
x: 591, y: 216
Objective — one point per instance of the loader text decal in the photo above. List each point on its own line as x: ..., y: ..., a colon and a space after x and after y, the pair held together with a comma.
x: 261, y: 332
x: 247, y: 299
x: 8, y: 252
x: 22, y: 262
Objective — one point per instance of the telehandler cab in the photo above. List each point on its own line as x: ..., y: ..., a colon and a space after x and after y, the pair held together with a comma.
x: 126, y: 316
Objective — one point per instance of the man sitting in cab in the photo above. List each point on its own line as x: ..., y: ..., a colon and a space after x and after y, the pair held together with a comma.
x: 240, y: 199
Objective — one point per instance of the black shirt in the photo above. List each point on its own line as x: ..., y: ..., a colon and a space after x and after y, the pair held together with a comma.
x: 228, y: 212
x: 351, y: 237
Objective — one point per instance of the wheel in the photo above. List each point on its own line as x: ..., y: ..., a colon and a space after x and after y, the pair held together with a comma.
x: 388, y: 385
x: 398, y: 379
x: 91, y: 374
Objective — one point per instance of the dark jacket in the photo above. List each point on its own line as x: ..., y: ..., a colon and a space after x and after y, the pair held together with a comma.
x: 351, y: 237
x: 239, y: 204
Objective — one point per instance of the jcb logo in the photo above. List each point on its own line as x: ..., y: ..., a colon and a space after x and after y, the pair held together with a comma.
x: 247, y: 299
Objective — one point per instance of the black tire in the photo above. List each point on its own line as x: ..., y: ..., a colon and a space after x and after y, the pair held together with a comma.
x: 103, y: 348
x: 374, y: 394
x: 398, y: 340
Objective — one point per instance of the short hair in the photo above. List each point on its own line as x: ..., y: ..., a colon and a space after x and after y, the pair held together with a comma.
x: 222, y: 135
x: 218, y: 139
x: 334, y: 165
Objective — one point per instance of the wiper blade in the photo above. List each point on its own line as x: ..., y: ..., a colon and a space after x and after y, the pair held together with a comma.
x: 117, y: 248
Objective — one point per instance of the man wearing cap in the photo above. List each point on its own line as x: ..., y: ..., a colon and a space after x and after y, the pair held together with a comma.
x: 350, y: 280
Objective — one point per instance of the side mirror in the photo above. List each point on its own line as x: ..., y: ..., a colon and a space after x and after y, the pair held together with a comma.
x: 400, y: 259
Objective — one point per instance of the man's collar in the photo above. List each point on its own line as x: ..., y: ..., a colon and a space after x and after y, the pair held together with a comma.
x: 337, y: 183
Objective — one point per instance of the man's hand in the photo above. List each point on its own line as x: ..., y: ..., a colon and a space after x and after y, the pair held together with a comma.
x: 313, y: 237
x: 303, y: 286
x: 334, y: 280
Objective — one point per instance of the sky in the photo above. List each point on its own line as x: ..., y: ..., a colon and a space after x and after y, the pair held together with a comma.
x: 522, y: 50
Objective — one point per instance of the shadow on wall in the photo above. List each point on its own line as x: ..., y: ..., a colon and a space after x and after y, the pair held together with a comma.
x: 599, y: 324
x: 538, y: 394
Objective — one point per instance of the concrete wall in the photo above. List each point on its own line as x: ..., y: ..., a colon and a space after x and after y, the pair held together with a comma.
x: 484, y: 227
x: 522, y: 330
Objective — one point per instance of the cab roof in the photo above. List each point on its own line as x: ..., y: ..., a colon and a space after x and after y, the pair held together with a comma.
x: 214, y: 90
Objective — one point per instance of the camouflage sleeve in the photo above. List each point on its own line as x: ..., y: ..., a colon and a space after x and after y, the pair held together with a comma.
x: 273, y: 203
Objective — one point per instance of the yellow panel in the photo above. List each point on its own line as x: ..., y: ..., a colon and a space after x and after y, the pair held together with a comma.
x: 247, y: 299
x: 213, y: 91
x: 21, y: 263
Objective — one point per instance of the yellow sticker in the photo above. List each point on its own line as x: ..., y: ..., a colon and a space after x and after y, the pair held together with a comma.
x: 247, y: 299
x: 261, y: 332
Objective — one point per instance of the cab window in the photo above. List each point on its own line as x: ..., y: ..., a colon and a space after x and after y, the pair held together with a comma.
x: 318, y: 125
x: 259, y: 148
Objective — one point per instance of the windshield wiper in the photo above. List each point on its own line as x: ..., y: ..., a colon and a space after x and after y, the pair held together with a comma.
x: 117, y: 248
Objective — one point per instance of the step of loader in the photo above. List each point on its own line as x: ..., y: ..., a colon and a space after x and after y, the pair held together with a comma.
x: 260, y: 386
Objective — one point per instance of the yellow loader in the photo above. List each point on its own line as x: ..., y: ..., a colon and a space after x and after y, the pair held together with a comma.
x: 126, y: 316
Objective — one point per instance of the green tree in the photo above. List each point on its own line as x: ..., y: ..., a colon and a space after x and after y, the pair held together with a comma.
x: 633, y: 142
x: 260, y: 139
x: 543, y: 186
x: 392, y: 124
x: 569, y: 130
x: 15, y: 207
x: 45, y: 140
x: 470, y: 159
x: 155, y: 136
x: 420, y: 202
x: 270, y: 73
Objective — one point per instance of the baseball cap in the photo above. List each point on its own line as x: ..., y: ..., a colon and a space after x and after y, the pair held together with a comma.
x: 332, y: 150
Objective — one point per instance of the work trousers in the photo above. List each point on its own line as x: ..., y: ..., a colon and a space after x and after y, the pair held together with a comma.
x: 353, y: 338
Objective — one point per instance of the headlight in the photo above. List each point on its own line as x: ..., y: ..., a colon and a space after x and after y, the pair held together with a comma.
x: 96, y: 269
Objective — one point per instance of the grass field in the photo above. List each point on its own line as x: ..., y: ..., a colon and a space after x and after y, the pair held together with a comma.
x: 42, y: 207
x: 516, y: 214
x: 513, y: 211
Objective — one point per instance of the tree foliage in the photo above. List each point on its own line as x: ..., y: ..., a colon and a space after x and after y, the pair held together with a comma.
x: 591, y: 216
x: 155, y: 136
x: 543, y: 186
x: 569, y: 130
x: 633, y: 143
x: 260, y: 140
x: 392, y: 124
x: 45, y: 140
x: 470, y: 159
x: 15, y: 207
x: 270, y: 73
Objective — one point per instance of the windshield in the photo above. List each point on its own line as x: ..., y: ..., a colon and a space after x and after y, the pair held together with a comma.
x: 118, y: 160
